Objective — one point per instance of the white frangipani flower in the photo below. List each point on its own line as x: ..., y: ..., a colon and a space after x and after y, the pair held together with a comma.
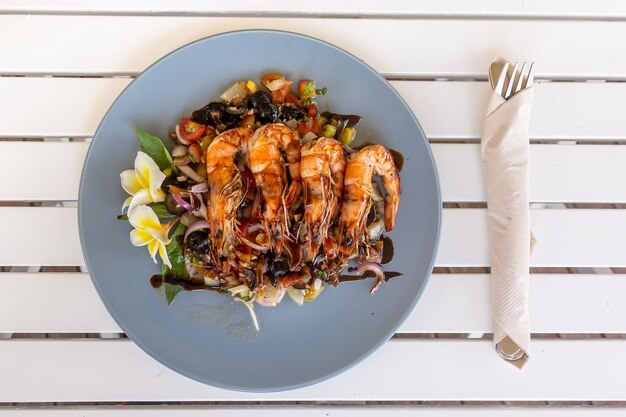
x: 142, y: 183
x: 149, y: 231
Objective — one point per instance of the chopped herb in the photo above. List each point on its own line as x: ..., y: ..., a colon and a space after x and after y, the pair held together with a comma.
x: 321, y: 91
x: 122, y: 217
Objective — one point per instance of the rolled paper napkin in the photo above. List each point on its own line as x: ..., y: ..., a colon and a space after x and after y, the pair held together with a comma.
x: 504, y: 151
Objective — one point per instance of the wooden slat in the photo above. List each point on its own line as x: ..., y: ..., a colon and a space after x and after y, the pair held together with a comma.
x: 581, y: 111
x: 73, y: 107
x: 114, y: 44
x: 40, y: 171
x: 565, y: 237
x: 23, y: 298
x: 452, y: 303
x: 315, y: 411
x: 95, y: 370
x: 458, y: 8
x: 583, y: 174
x: 39, y: 236
x: 456, y: 303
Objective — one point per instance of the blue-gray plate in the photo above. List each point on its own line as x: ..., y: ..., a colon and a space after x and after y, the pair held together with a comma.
x: 204, y: 335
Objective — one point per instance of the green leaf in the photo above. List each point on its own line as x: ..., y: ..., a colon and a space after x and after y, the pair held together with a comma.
x: 122, y: 217
x: 171, y: 291
x: 154, y: 147
x: 321, y: 91
x: 175, y: 253
x: 177, y: 259
x: 161, y: 211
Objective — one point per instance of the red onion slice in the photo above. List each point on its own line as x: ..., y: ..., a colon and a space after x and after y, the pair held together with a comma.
x: 375, y: 268
x: 188, y: 171
x: 182, y: 202
x: 273, y: 299
x: 255, y: 228
x: 202, y: 187
x: 180, y: 150
x: 253, y: 245
x: 200, y: 224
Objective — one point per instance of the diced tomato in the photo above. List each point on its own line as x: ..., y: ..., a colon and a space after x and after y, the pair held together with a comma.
x: 278, y: 96
x: 291, y: 98
x: 309, y: 125
x: 272, y: 82
x: 311, y: 110
x: 190, y: 130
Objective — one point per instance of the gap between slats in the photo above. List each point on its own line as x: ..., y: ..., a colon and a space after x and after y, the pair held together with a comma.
x: 534, y: 9
x: 325, y: 409
x: 439, y: 77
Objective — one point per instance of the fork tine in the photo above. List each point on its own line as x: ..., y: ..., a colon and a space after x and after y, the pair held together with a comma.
x: 521, y: 81
x: 531, y: 75
x: 500, y: 84
x: 509, y: 90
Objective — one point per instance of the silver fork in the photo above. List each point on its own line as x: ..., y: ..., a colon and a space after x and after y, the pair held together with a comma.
x: 512, y: 82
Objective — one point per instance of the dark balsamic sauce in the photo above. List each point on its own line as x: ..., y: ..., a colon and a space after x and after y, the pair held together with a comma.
x: 388, y: 251
x: 157, y: 280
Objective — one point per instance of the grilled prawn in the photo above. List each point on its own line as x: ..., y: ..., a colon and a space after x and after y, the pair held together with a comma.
x: 225, y: 183
x: 374, y: 159
x: 268, y: 168
x: 322, y: 168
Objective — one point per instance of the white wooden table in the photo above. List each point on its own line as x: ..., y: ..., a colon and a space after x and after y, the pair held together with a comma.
x: 62, y: 64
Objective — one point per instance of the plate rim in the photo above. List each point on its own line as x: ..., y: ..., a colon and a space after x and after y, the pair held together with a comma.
x: 376, y: 346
